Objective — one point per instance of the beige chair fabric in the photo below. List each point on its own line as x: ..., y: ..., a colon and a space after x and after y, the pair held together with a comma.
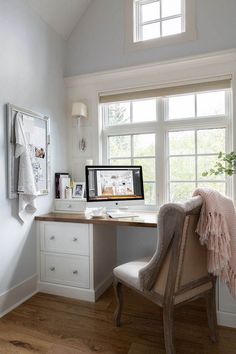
x: 174, y: 220
x: 129, y: 272
x: 177, y: 272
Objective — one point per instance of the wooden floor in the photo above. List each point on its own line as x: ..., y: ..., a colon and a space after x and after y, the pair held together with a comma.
x: 54, y: 325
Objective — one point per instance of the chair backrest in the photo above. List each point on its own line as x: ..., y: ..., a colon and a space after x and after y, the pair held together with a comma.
x: 179, y: 261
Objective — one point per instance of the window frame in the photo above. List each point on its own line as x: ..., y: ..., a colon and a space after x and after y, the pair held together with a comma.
x: 138, y: 22
x: 189, y: 33
x: 161, y: 127
x: 130, y: 129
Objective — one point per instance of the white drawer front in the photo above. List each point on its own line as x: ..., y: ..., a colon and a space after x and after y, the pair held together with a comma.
x: 65, y: 238
x: 64, y: 205
x: 66, y: 270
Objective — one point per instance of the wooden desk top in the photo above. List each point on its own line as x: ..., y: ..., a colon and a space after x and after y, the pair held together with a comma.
x: 143, y: 220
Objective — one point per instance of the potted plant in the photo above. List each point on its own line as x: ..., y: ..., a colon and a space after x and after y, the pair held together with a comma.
x: 226, y: 164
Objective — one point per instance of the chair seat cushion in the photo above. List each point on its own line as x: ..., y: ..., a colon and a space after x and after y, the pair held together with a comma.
x: 129, y: 272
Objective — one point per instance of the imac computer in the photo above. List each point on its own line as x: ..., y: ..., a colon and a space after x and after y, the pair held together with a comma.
x: 114, y: 187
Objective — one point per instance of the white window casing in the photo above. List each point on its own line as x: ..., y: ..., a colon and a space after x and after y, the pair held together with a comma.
x: 133, y: 38
x: 162, y: 126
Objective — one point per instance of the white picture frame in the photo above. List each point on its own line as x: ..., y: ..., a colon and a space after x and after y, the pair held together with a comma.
x: 78, y: 190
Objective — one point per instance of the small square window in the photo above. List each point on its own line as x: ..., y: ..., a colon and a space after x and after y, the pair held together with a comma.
x: 155, y: 23
x: 158, y: 18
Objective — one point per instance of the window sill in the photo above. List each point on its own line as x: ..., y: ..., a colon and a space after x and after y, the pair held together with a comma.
x: 161, y: 42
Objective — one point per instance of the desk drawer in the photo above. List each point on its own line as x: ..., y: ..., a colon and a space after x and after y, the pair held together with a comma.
x: 66, y: 270
x: 65, y: 238
x: 78, y: 205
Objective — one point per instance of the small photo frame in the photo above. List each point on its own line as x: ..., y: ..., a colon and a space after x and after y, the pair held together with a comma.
x: 78, y: 189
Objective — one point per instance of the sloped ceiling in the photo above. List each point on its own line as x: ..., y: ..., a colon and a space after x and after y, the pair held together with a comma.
x: 61, y: 15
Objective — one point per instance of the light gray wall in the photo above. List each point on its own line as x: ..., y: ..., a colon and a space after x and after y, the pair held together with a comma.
x: 98, y: 41
x: 135, y: 242
x: 31, y: 76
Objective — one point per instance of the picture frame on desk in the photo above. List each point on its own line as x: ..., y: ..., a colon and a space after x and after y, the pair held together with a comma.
x: 57, y: 183
x: 78, y: 189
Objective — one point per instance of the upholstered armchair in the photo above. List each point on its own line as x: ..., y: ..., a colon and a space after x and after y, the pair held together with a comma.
x: 177, y: 272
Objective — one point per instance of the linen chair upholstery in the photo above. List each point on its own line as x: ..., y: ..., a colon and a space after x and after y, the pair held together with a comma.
x: 177, y: 272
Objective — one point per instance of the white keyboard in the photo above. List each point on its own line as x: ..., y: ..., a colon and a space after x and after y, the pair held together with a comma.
x: 120, y: 214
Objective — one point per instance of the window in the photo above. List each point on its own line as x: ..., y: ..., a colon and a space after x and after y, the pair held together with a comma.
x: 134, y: 148
x: 191, y: 152
x: 175, y: 135
x: 153, y: 23
x: 158, y: 18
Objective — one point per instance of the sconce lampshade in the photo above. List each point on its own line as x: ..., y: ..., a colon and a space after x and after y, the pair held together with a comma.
x: 79, y: 110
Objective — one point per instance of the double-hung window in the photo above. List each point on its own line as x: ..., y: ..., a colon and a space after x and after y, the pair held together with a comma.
x: 175, y: 133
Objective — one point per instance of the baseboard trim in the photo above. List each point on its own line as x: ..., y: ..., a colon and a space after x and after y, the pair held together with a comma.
x: 18, y: 294
x: 103, y: 285
x: 67, y: 291
x: 226, y: 319
x: 76, y: 293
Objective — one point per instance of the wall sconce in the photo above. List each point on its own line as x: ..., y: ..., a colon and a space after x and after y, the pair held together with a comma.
x: 80, y: 110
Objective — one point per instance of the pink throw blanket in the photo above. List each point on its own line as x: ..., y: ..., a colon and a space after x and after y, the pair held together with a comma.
x: 217, y: 230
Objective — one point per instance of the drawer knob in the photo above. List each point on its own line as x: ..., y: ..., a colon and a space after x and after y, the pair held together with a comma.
x: 69, y: 206
x: 75, y: 271
x: 52, y: 238
x: 52, y: 269
x: 75, y: 239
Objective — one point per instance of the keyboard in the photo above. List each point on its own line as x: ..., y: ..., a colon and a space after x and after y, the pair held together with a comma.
x: 120, y: 214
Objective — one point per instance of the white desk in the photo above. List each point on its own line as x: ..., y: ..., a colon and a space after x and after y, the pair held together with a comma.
x: 77, y: 253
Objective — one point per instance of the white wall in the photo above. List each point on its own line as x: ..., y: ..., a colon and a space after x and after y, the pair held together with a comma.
x: 31, y: 76
x: 98, y: 41
x: 135, y: 242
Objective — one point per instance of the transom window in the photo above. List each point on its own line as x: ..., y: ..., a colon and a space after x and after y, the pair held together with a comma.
x: 175, y: 137
x: 158, y: 18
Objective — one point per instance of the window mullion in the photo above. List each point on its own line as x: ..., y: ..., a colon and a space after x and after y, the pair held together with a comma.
x: 160, y: 155
x: 131, y: 112
x: 138, y: 17
x: 132, y: 148
x: 105, y: 147
x: 160, y: 18
x: 196, y: 157
x: 229, y: 139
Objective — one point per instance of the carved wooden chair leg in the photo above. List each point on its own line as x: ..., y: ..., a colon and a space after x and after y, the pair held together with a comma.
x: 211, y: 314
x: 168, y: 324
x: 119, y: 299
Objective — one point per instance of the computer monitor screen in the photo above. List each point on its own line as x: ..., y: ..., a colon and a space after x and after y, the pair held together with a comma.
x: 114, y: 183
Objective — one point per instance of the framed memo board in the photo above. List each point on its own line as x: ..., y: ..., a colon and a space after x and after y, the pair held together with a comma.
x: 36, y: 128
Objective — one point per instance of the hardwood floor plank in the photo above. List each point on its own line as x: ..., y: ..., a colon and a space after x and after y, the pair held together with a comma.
x: 48, y: 324
x: 59, y: 349
x: 144, y: 349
